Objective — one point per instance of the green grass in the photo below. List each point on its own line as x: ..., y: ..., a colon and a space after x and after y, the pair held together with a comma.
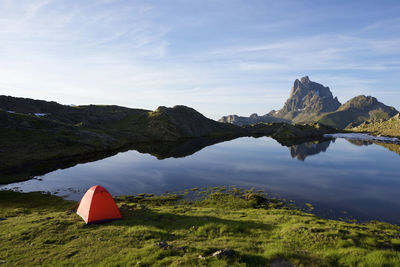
x: 390, y: 127
x: 44, y: 230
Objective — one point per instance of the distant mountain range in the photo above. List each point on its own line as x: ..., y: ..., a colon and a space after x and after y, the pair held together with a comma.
x: 312, y: 102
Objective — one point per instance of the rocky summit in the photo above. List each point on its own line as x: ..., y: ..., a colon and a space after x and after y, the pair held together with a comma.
x: 307, y: 99
x: 312, y: 102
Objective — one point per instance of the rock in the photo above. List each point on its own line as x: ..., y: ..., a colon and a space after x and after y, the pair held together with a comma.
x: 308, y: 97
x: 257, y: 198
x: 226, y: 252
x: 143, y: 207
x: 254, y: 118
x: 280, y: 263
x: 163, y: 245
x: 307, y: 101
x: 305, y: 80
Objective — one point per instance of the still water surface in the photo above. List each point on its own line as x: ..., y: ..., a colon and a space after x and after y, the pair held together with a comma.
x: 340, y: 178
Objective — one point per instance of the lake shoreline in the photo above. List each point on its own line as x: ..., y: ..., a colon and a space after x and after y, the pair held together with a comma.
x: 364, y: 136
x: 28, y: 159
x: 303, y: 173
x: 165, y: 230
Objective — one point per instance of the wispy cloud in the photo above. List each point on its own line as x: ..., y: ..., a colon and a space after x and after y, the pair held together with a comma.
x: 220, y: 57
x: 80, y: 26
x: 325, y: 52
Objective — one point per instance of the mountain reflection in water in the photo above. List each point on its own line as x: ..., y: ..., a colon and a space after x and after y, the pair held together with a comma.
x: 358, y: 177
x: 306, y: 149
x: 302, y: 151
x: 299, y: 149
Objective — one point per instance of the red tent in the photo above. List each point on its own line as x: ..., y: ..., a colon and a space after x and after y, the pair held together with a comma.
x: 97, y: 205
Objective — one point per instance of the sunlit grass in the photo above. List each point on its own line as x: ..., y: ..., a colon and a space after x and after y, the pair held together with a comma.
x: 43, y: 229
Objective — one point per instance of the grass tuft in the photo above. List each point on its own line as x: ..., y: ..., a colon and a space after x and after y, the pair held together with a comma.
x: 167, y: 230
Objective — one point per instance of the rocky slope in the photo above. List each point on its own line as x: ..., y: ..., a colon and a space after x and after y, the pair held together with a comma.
x: 253, y: 119
x: 312, y: 102
x: 389, y: 127
x: 307, y: 101
x: 356, y: 111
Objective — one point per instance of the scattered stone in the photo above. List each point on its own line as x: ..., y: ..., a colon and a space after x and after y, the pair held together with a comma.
x: 344, y: 232
x: 280, y: 263
x: 2, y: 262
x: 163, y: 245
x: 202, y: 257
x: 226, y: 252
x: 317, y: 230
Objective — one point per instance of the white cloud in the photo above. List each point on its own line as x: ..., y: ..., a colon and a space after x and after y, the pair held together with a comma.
x: 321, y: 52
x: 140, y: 55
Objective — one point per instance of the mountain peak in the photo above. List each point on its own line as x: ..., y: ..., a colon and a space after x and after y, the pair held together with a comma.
x: 305, y: 80
x: 360, y: 102
x: 313, y: 102
x: 308, y: 97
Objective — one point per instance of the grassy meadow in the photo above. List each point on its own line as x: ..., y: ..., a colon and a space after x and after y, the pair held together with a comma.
x: 41, y: 229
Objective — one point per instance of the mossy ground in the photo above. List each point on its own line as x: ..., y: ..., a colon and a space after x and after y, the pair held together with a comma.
x: 44, y: 230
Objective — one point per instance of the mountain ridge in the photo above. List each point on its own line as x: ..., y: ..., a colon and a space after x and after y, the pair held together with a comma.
x: 311, y: 102
x: 356, y: 111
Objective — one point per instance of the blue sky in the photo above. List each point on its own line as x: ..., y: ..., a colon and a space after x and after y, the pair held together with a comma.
x: 219, y: 57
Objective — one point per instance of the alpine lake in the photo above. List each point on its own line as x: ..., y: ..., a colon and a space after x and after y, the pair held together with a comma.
x: 340, y: 178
